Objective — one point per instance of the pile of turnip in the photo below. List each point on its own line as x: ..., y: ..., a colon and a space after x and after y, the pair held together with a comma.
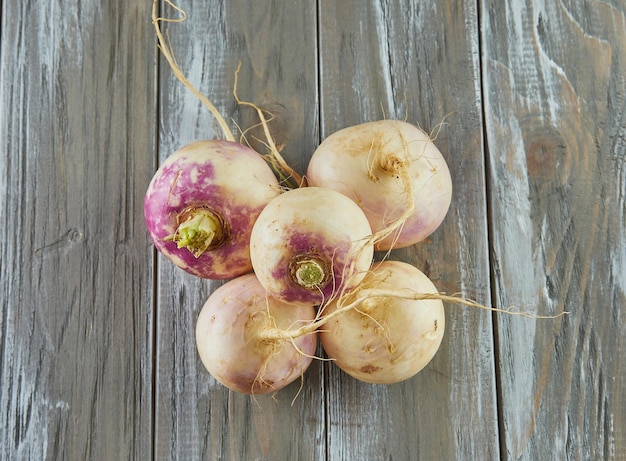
x: 300, y: 261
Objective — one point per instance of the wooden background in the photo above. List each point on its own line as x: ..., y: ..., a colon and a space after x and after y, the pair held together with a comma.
x: 98, y: 357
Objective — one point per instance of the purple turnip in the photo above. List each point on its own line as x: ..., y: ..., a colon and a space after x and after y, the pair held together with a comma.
x: 202, y: 203
x: 393, y: 171
x: 310, y: 245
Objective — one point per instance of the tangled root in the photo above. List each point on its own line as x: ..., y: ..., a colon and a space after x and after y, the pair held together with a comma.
x: 168, y: 54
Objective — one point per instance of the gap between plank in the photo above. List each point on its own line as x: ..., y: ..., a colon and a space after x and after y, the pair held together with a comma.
x: 325, y: 365
x: 490, y: 232
x: 155, y: 259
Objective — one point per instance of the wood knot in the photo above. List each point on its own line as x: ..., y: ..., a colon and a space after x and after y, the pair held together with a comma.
x: 547, y: 154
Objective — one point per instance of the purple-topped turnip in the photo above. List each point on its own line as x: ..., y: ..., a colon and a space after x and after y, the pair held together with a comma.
x: 393, y: 171
x: 243, y: 340
x: 202, y: 203
x: 310, y: 244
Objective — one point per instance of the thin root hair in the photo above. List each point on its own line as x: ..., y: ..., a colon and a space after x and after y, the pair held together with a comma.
x: 167, y: 52
x: 434, y: 133
x: 293, y: 401
x: 274, y: 152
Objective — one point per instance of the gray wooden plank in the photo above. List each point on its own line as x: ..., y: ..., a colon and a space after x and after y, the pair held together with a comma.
x: 77, y: 111
x: 419, y: 61
x: 556, y: 124
x: 197, y: 418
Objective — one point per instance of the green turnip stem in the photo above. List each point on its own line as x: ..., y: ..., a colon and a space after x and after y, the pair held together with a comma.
x: 309, y: 273
x: 167, y: 52
x: 199, y: 232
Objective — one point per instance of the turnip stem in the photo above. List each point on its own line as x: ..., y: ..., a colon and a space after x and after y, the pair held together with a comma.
x: 199, y: 231
x: 309, y: 273
x: 167, y: 52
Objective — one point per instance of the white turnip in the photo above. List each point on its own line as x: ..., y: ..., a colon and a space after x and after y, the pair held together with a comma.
x: 388, y: 328
x: 393, y: 171
x: 237, y: 336
x: 310, y: 244
x: 202, y: 203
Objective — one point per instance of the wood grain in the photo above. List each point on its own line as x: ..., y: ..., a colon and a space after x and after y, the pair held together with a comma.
x: 77, y: 129
x: 554, y: 104
x: 275, y: 42
x: 97, y: 350
x: 381, y: 59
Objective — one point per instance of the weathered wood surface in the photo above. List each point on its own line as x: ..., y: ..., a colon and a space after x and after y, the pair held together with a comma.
x: 554, y: 92
x: 196, y: 417
x: 374, y: 65
x: 98, y: 359
x: 77, y: 126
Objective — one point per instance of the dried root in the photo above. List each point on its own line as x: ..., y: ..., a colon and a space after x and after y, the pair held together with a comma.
x: 168, y: 54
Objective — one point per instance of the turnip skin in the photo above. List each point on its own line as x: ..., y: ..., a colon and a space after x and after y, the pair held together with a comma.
x: 229, y: 179
x: 388, y: 339
x: 316, y: 224
x: 233, y: 347
x: 364, y: 161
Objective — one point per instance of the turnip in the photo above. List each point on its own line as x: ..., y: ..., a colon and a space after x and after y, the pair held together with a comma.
x: 393, y: 171
x: 202, y: 203
x: 389, y: 327
x: 215, y: 209
x: 310, y: 244
x: 242, y: 338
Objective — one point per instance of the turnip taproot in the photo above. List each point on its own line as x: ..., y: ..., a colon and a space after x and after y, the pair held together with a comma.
x: 386, y: 337
x: 234, y: 344
x: 310, y: 244
x: 168, y: 54
x: 202, y: 203
x: 393, y: 171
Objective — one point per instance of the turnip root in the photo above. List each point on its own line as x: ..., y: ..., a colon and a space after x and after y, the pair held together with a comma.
x: 384, y: 336
x: 233, y: 341
x: 202, y: 203
x: 393, y: 171
x: 310, y: 244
